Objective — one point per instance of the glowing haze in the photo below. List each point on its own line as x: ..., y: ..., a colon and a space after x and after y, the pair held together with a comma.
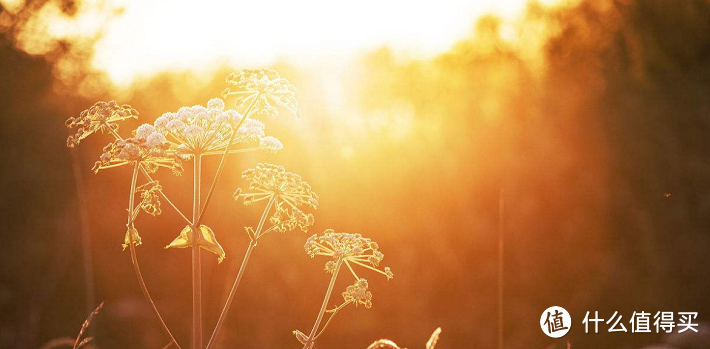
x: 152, y: 35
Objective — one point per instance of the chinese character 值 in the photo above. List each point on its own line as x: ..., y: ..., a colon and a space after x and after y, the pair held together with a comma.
x: 556, y: 324
x: 640, y: 322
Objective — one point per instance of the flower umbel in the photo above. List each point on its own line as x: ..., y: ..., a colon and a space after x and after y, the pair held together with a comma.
x: 102, y: 116
x: 344, y: 249
x: 207, y: 130
x: 266, y: 88
x: 349, y: 248
x: 150, y: 153
x: 288, y: 192
x: 357, y: 293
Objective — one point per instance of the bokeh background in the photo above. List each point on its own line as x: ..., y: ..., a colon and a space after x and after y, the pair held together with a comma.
x: 579, y: 117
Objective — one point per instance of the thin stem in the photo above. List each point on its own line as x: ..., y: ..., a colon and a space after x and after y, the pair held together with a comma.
x: 351, y: 270
x: 235, y: 151
x: 332, y: 315
x: 368, y: 267
x: 134, y: 260
x: 230, y: 297
x: 196, y: 262
x: 262, y: 220
x: 147, y: 176
x: 165, y: 197
x: 146, y: 294
x: 223, y: 161
x: 233, y: 291
x: 311, y: 337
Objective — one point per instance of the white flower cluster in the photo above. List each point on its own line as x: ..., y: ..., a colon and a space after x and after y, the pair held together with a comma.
x: 200, y: 129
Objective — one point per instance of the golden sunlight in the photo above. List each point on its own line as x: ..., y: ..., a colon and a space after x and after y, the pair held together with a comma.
x: 301, y: 32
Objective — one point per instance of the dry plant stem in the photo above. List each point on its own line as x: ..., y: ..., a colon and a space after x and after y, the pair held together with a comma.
x: 310, y: 342
x: 147, y: 176
x: 196, y: 262
x: 234, y: 151
x: 147, y: 296
x: 223, y: 161
x: 134, y: 260
x: 233, y: 291
x: 332, y: 315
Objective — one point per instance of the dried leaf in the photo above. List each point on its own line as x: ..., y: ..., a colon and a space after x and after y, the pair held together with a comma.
x: 250, y: 232
x: 207, y: 241
x: 131, y: 237
x: 300, y: 336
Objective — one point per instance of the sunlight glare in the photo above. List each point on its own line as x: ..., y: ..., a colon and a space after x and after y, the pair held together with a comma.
x: 305, y: 31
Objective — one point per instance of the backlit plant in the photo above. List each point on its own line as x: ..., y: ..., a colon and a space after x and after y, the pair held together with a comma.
x: 186, y: 136
x: 350, y: 250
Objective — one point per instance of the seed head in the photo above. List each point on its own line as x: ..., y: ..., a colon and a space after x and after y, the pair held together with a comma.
x: 289, y: 192
x: 151, y: 153
x: 357, y: 293
x: 265, y: 88
x: 102, y: 116
x: 347, y: 248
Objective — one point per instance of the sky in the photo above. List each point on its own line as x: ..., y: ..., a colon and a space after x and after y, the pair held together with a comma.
x: 153, y: 35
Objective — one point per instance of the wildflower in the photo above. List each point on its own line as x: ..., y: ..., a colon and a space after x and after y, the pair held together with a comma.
x: 344, y: 248
x: 265, y: 89
x: 357, y: 293
x: 156, y: 139
x: 348, y: 248
x: 151, y: 154
x: 102, y: 116
x: 215, y: 103
x: 271, y: 144
x: 289, y: 192
x: 143, y: 131
x: 206, y: 130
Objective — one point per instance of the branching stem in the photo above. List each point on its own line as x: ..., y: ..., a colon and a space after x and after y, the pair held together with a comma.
x: 223, y: 161
x: 310, y: 342
x: 147, y: 176
x: 196, y: 261
x: 233, y: 291
x: 134, y: 260
x: 332, y: 315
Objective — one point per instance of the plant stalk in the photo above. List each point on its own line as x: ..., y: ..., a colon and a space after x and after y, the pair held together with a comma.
x: 134, y: 259
x: 311, y: 337
x: 233, y: 291
x: 223, y: 161
x: 147, y: 176
x: 196, y: 261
